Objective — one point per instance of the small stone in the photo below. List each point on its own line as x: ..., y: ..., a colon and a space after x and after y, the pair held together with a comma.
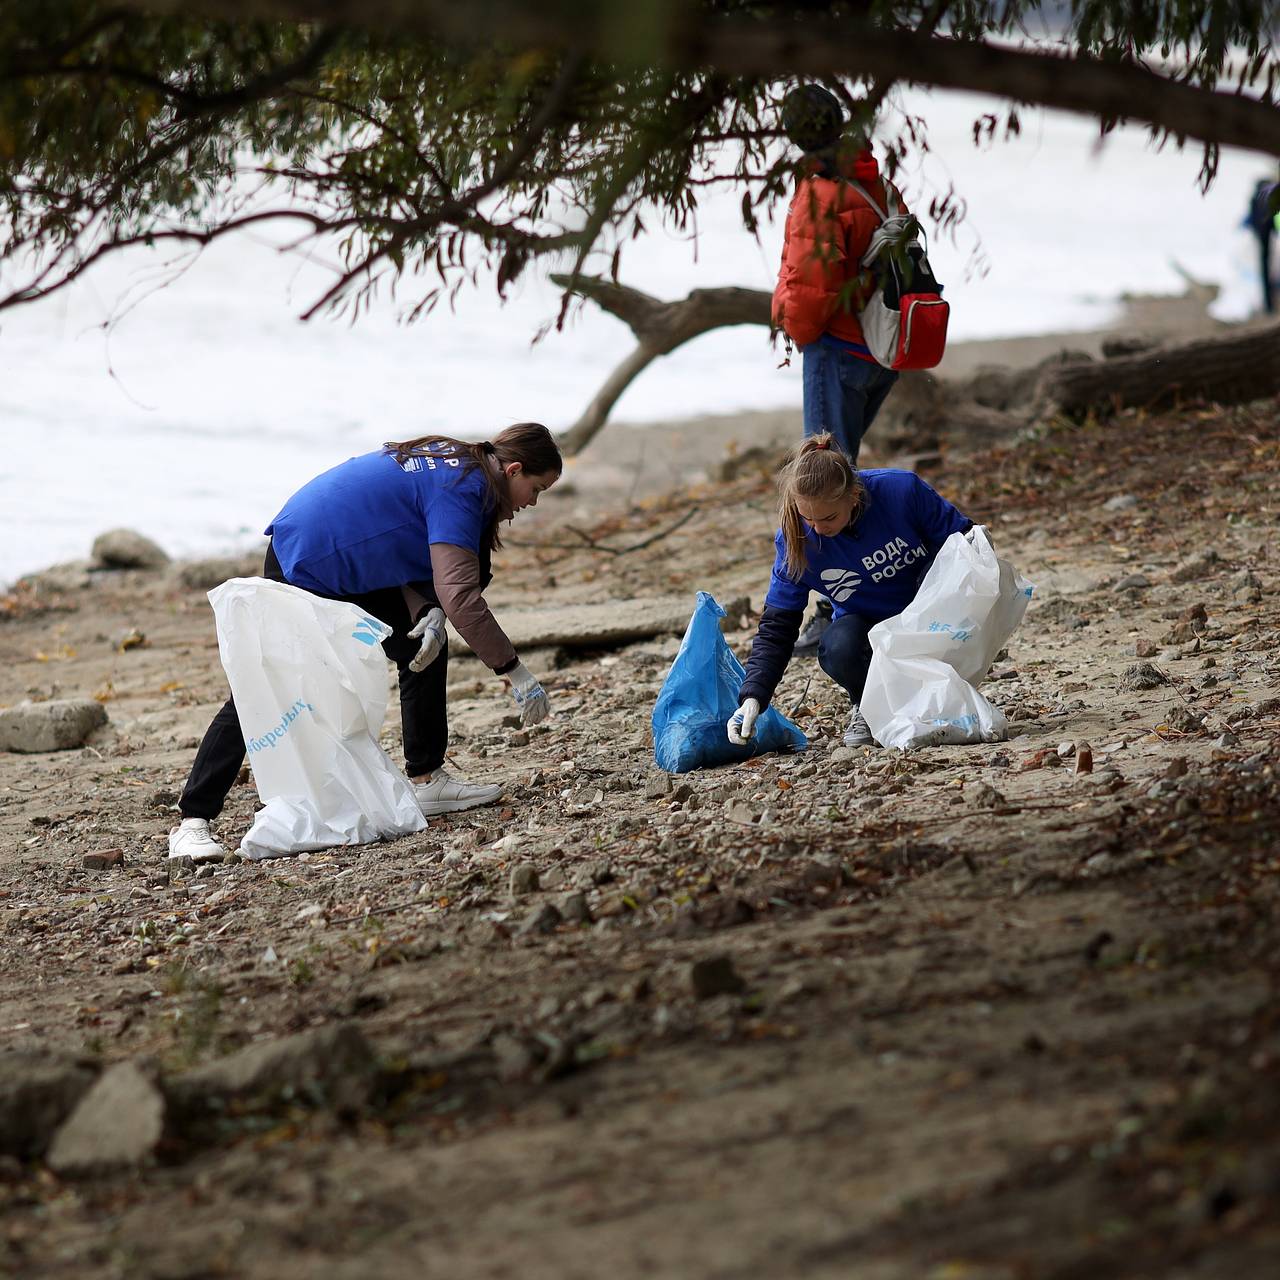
x: 37, y: 1093
x: 1084, y: 758
x: 1181, y: 720
x: 50, y: 726
x: 127, y: 549
x: 544, y: 920
x: 204, y: 575
x: 714, y: 976
x: 1226, y: 741
x: 132, y: 638
x: 987, y: 797
x: 1145, y: 648
x: 162, y: 799
x: 519, y: 739
x: 740, y: 811
x: 1121, y: 502
x: 104, y: 860
x: 1133, y: 582
x: 575, y: 908
x: 332, y: 1066
x: 1176, y: 768
x: 524, y: 879
x: 657, y: 786
x: 116, y: 1125
x: 1140, y: 676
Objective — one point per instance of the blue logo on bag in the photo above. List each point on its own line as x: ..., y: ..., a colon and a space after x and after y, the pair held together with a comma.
x: 368, y: 631
x: 277, y: 732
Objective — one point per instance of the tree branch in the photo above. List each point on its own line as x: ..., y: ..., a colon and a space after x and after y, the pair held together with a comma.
x: 695, y: 38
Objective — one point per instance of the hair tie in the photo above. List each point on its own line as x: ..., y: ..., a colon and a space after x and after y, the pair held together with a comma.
x: 822, y: 444
x: 488, y: 447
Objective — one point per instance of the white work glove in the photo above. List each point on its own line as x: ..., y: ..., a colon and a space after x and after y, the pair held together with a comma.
x: 742, y: 724
x: 530, y: 696
x: 430, y: 631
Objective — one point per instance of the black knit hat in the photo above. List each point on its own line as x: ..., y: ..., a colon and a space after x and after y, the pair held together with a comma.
x: 812, y: 117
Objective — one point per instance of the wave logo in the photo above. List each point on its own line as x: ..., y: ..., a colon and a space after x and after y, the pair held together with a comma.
x: 841, y: 583
x: 368, y: 631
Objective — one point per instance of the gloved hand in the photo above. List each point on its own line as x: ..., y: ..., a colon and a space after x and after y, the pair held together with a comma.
x: 530, y: 696
x: 430, y: 631
x: 742, y: 724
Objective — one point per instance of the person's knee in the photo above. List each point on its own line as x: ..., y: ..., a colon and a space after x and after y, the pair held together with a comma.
x: 841, y: 649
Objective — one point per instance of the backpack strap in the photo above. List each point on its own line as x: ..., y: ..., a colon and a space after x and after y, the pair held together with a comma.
x: 893, y: 226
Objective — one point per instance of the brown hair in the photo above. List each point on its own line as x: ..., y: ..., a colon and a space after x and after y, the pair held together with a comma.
x: 528, y: 443
x: 818, y: 470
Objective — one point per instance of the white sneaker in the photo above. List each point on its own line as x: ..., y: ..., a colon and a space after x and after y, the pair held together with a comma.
x: 857, y: 734
x: 191, y: 839
x: 444, y: 794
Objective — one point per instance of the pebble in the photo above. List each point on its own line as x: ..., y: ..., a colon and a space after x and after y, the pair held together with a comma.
x: 544, y: 920
x: 1140, y: 676
x: 103, y: 860
x: 1121, y: 502
x: 714, y: 976
x: 575, y: 908
x: 657, y: 786
x: 524, y: 879
x: 1133, y: 582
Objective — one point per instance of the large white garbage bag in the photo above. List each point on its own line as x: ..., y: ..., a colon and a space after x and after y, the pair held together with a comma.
x: 927, y: 662
x: 309, y: 679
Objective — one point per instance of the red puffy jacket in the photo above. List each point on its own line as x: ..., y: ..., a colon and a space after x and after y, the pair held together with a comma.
x: 821, y: 287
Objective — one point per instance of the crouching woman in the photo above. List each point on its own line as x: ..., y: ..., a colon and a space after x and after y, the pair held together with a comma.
x: 407, y: 534
x: 863, y: 540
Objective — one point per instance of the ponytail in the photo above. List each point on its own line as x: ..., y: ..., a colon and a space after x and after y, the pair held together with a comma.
x: 818, y: 470
x: 528, y: 443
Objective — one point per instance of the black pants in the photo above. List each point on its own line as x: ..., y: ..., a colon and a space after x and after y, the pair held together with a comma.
x: 422, y: 706
x: 844, y: 653
x: 1264, y: 268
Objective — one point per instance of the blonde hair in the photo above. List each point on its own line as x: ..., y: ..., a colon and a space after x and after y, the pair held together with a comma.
x: 820, y: 472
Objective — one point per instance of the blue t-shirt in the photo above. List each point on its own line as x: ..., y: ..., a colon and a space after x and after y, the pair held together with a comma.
x: 369, y: 522
x: 876, y: 565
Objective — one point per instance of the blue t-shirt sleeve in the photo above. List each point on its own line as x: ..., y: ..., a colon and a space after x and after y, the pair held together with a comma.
x: 784, y: 592
x: 935, y: 517
x: 457, y: 511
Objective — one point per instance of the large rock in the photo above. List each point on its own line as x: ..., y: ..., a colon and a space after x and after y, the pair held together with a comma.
x: 127, y: 549
x: 50, y: 726
x: 116, y: 1125
x: 331, y: 1067
x: 37, y: 1093
x: 587, y: 626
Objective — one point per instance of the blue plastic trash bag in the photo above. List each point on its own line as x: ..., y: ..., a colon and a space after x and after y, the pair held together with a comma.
x: 699, y: 695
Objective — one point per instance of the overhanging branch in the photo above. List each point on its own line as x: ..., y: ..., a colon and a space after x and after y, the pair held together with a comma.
x: 687, y: 37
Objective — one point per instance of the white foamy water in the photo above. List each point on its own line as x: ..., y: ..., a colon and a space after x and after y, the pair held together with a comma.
x: 200, y: 410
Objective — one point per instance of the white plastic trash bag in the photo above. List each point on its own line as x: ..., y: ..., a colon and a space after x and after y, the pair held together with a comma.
x: 927, y: 662
x: 309, y: 679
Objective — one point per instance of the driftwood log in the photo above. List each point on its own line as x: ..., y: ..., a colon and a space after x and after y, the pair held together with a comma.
x: 1241, y: 365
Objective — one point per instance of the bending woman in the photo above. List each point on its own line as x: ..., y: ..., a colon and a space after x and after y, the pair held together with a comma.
x: 407, y: 534
x: 863, y: 540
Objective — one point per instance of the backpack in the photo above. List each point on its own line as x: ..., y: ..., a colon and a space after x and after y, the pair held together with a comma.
x: 904, y: 322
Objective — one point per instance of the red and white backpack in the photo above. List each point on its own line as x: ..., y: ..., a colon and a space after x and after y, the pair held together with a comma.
x: 904, y: 322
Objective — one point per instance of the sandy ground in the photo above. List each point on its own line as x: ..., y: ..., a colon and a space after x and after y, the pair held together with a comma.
x: 994, y: 1018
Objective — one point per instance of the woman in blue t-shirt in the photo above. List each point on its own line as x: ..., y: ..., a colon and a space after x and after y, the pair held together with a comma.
x: 407, y: 534
x: 863, y: 540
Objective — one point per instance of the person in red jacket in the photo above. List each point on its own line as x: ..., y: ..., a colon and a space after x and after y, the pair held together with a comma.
x: 822, y: 286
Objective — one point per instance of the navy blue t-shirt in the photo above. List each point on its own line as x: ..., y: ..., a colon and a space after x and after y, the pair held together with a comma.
x: 874, y: 567
x: 369, y: 522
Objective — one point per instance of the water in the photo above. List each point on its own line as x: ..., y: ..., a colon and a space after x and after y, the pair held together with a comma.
x: 207, y: 402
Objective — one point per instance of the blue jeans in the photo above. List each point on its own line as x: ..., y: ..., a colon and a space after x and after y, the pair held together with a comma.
x: 842, y: 393
x: 844, y: 653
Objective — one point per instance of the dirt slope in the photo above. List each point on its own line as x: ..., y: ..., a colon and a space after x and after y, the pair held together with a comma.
x: 996, y: 1019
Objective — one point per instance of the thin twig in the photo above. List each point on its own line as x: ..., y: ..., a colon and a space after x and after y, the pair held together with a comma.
x: 589, y: 543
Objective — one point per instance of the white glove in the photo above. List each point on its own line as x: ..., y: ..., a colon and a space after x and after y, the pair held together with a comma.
x: 430, y: 631
x: 742, y: 724
x: 530, y: 696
